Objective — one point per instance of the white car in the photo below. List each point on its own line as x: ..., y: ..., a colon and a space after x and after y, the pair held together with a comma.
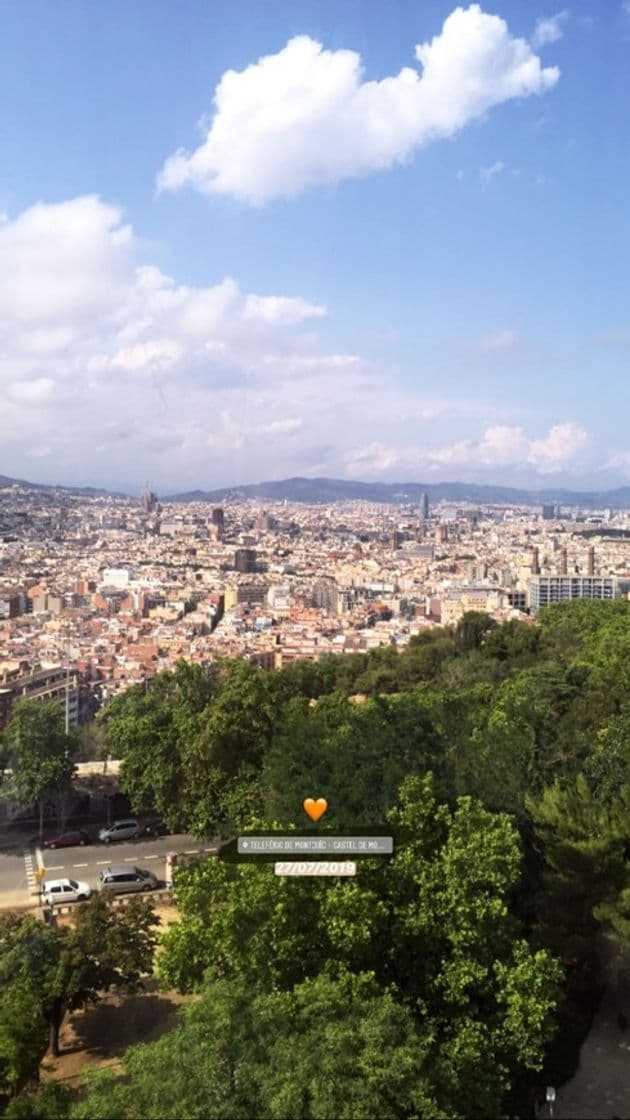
x: 55, y: 891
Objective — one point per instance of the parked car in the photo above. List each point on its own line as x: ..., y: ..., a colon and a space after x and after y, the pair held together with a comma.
x: 119, y: 880
x: 72, y: 838
x: 128, y: 829
x: 55, y: 891
x: 155, y: 828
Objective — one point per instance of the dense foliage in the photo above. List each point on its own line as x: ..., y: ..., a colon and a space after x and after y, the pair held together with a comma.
x: 40, y: 753
x: 47, y: 970
x: 499, y: 755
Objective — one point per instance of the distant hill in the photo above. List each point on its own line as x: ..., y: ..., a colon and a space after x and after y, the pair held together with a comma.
x: 326, y: 490
x: 79, y: 491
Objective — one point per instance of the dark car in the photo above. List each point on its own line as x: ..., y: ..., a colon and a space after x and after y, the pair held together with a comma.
x: 155, y: 828
x: 72, y: 838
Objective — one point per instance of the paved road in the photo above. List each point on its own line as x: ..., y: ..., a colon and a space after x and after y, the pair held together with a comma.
x: 600, y: 1088
x: 18, y: 867
x: 17, y: 875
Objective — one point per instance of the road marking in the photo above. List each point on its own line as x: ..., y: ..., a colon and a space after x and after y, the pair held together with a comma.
x: 57, y: 867
x: 39, y: 857
x: 210, y: 849
x: 31, y: 878
x: 149, y: 857
x: 80, y: 865
x: 191, y: 851
x: 130, y: 859
x: 102, y: 862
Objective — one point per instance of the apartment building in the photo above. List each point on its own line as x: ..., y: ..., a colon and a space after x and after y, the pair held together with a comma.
x: 544, y: 590
x: 38, y: 683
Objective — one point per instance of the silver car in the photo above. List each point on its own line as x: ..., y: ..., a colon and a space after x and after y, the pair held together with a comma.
x: 120, y: 880
x: 127, y: 829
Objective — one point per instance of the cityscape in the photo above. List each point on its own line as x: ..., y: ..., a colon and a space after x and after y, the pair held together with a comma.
x: 101, y: 593
x: 314, y: 560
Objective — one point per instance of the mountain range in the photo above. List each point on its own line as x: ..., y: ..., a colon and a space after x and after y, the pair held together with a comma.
x: 326, y: 490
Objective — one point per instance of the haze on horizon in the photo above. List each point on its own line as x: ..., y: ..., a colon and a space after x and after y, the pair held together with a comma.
x: 238, y: 247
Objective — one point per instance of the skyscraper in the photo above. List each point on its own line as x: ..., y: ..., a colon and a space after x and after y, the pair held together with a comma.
x: 245, y: 560
x: 218, y: 520
x: 424, y: 507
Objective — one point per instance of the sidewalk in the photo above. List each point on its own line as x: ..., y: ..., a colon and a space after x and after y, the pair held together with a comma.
x: 600, y: 1090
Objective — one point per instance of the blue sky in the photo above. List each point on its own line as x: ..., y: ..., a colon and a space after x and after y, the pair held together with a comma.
x: 345, y: 271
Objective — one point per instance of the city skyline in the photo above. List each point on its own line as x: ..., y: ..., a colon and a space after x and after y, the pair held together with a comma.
x: 314, y: 244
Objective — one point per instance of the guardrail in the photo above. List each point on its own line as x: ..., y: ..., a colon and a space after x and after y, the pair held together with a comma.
x: 163, y: 893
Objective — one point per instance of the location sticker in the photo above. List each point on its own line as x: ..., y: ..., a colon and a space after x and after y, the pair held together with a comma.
x: 315, y: 809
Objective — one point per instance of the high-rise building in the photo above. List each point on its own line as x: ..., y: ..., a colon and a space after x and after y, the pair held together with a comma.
x: 148, y: 501
x: 424, y: 507
x: 535, y: 562
x: 245, y: 560
x: 265, y: 521
x: 217, y: 518
x: 590, y: 561
x: 563, y: 562
x: 325, y: 595
x: 545, y: 590
x: 548, y: 512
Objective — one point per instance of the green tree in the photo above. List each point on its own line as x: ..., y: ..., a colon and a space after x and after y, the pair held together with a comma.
x: 23, y: 1035
x: 50, y: 1101
x: 355, y: 755
x: 473, y: 629
x: 432, y: 925
x: 330, y: 1048
x: 41, y: 755
x: 150, y: 730
x: 63, y: 968
x: 585, y: 873
x: 183, y: 740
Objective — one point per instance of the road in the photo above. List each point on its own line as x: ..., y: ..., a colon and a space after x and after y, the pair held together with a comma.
x: 19, y: 863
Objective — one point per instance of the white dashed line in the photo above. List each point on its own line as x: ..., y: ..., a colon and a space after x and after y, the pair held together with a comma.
x: 57, y: 867
x: 149, y: 857
x: 80, y: 865
x: 102, y: 862
x: 31, y: 878
x: 191, y: 852
x: 130, y: 859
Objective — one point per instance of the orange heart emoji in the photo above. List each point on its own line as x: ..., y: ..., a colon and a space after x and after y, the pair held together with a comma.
x: 315, y: 809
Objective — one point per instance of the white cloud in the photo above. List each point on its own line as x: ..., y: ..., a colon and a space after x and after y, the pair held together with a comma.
x: 619, y: 461
x: 50, y: 288
x: 39, y: 391
x: 281, y: 310
x: 501, y: 446
x: 549, y: 29
x: 306, y: 115
x: 202, y: 386
x: 488, y: 173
